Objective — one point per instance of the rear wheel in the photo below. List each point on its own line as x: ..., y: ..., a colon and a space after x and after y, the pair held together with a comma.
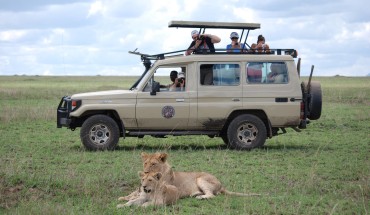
x: 246, y: 132
x: 100, y: 132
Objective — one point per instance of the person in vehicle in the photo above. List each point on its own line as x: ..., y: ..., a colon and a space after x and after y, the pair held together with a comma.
x: 202, y: 42
x: 178, y: 81
x: 235, y: 45
x: 277, y: 74
x: 261, y: 46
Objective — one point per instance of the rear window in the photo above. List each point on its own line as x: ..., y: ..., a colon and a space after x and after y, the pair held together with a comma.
x: 266, y: 73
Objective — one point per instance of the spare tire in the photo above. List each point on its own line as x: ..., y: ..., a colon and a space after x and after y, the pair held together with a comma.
x: 314, y: 100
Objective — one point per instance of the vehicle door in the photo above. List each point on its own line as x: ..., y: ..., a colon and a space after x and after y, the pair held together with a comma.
x: 270, y: 88
x: 219, y: 93
x: 168, y: 109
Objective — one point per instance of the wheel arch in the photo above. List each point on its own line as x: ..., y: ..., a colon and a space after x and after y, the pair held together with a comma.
x: 258, y: 113
x: 111, y: 113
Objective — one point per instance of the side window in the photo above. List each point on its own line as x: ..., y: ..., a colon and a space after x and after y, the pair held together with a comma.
x: 220, y: 74
x: 171, y: 78
x: 266, y: 73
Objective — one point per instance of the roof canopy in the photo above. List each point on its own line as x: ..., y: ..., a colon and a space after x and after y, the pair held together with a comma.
x: 223, y: 25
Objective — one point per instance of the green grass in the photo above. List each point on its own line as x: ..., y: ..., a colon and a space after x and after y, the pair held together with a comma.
x: 325, y: 169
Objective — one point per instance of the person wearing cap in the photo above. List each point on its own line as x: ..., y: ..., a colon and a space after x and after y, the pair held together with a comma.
x: 202, y: 42
x: 235, y: 45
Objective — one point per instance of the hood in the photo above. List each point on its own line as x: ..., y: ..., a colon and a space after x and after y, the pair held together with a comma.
x: 106, y: 95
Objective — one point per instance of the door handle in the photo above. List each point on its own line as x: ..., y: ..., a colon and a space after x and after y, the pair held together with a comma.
x: 180, y: 100
x: 235, y: 100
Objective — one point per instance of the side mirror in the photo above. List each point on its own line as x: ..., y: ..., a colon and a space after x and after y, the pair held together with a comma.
x: 155, y: 88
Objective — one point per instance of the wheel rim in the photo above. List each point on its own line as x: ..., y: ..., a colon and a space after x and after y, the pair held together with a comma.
x: 99, y: 134
x: 247, y: 133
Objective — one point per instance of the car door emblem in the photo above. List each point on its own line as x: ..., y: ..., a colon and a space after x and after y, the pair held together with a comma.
x: 168, y: 112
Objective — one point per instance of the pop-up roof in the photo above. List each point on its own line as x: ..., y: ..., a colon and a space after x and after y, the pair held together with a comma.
x: 215, y: 25
x: 222, y: 25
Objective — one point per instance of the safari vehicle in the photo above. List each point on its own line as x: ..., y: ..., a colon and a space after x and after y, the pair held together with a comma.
x: 227, y: 95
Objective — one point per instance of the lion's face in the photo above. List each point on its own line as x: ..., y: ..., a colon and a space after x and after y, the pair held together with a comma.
x: 149, y: 181
x: 154, y: 162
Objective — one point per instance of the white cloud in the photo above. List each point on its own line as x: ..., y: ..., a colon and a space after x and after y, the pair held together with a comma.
x: 96, y: 8
x: 12, y: 35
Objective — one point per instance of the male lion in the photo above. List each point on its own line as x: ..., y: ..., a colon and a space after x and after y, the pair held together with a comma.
x: 202, y: 185
x: 154, y: 191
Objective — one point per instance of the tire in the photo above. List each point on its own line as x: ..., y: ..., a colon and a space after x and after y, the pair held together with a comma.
x: 100, y: 132
x: 246, y: 132
x: 315, y: 100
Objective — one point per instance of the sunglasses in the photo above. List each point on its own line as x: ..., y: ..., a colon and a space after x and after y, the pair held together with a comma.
x: 234, y: 38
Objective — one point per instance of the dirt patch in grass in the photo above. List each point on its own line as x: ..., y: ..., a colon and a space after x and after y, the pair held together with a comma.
x: 10, y: 196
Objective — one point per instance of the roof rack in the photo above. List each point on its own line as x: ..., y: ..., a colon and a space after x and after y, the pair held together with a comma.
x: 146, y: 57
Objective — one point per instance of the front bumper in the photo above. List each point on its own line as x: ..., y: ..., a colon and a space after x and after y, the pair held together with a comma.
x: 63, y: 111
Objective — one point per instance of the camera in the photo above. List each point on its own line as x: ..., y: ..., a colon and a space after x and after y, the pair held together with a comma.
x: 181, y: 77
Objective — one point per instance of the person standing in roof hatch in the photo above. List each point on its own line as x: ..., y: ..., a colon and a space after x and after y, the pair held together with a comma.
x: 261, y: 46
x: 202, y: 42
x: 235, y: 45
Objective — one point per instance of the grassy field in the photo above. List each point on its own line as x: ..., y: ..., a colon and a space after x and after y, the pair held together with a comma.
x: 44, y: 170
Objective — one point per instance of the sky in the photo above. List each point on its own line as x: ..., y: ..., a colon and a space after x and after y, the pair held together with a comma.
x: 93, y: 37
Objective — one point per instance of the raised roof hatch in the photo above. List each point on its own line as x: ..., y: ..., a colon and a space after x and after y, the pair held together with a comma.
x: 223, y: 25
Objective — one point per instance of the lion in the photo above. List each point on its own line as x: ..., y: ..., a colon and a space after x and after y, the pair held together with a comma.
x: 201, y: 185
x: 153, y: 191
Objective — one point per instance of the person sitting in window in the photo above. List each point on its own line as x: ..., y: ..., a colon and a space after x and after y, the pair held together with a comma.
x: 202, y: 42
x: 261, y: 46
x: 178, y: 81
x: 235, y: 45
x: 277, y: 74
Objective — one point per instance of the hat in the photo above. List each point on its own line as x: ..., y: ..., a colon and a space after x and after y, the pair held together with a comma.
x: 181, y: 75
x: 234, y: 34
x: 194, y: 32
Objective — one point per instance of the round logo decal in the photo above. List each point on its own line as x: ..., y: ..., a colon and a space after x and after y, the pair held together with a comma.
x: 168, y: 112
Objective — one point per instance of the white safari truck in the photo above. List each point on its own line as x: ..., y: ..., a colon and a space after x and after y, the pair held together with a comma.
x: 231, y: 95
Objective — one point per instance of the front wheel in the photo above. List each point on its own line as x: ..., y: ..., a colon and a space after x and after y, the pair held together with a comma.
x: 246, y: 132
x: 100, y: 132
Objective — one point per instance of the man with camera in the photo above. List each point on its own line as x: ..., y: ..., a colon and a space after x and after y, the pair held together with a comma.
x: 178, y: 81
x: 202, y: 43
x: 235, y: 45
